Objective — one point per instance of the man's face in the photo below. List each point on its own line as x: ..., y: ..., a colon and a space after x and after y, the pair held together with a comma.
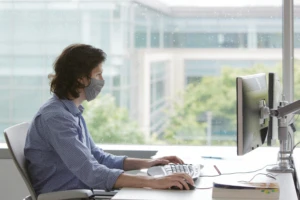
x: 97, y: 72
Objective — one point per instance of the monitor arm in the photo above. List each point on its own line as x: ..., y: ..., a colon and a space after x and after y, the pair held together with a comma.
x: 284, y: 153
x: 281, y: 112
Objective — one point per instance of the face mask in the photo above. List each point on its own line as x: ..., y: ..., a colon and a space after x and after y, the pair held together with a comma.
x: 93, y: 89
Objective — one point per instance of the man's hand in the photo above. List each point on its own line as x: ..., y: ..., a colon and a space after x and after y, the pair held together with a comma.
x: 163, y: 161
x: 178, y: 179
x: 136, y: 163
x: 173, y: 159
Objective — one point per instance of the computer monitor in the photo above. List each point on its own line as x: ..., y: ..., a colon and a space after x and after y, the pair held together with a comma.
x: 275, y: 97
x: 252, y: 95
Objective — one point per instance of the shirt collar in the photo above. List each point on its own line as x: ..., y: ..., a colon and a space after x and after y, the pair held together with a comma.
x: 71, y: 107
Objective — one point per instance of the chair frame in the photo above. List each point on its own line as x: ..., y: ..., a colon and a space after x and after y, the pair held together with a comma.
x: 20, y: 162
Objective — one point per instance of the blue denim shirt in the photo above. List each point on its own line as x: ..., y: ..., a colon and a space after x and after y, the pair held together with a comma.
x: 61, y: 154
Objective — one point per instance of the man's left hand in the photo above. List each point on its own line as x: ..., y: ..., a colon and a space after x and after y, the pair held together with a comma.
x: 164, y: 161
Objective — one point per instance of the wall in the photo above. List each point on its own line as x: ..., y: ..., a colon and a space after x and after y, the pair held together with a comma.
x: 12, y: 186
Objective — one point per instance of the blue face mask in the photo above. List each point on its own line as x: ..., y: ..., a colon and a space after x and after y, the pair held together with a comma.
x: 93, y: 89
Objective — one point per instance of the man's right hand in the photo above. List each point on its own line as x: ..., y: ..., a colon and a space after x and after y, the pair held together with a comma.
x: 178, y: 179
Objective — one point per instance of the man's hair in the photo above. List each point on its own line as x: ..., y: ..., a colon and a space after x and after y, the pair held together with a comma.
x: 75, y: 62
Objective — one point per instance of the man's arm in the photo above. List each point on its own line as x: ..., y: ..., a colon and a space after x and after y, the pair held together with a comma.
x: 135, y: 181
x: 62, y: 135
x: 104, y: 158
x: 122, y: 162
x: 179, y: 179
x: 137, y: 163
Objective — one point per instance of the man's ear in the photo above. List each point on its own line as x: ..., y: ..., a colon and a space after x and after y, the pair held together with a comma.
x: 83, y: 80
x: 80, y: 80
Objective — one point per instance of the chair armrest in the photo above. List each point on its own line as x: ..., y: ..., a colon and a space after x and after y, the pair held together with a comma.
x: 28, y: 198
x: 67, y: 194
x: 105, y: 193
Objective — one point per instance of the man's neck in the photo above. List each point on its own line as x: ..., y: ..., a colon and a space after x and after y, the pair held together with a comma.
x: 78, y: 101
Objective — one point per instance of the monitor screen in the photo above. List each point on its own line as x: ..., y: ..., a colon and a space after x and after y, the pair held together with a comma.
x: 252, y: 94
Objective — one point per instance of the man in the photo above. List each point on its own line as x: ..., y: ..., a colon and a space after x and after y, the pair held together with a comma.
x: 60, y: 152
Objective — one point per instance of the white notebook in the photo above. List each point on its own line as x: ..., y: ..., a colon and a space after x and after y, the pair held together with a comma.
x: 232, y: 189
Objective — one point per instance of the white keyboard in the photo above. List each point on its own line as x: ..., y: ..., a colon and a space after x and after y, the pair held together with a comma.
x: 193, y: 170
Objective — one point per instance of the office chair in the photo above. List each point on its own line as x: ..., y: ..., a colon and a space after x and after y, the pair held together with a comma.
x: 15, y: 137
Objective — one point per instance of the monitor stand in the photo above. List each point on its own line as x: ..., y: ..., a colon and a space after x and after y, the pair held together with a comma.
x: 284, y: 154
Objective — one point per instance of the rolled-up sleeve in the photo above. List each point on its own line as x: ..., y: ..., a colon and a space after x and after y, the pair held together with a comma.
x: 109, y: 160
x: 62, y: 134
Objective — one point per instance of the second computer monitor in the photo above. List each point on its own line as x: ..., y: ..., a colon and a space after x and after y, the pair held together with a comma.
x: 275, y: 97
x: 252, y: 95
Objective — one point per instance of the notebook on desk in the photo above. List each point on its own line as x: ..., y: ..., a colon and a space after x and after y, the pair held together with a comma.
x: 232, y: 189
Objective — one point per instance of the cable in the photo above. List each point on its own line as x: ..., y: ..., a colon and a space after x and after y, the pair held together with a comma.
x: 267, y: 175
x: 290, y: 135
x: 295, y: 146
x: 291, y: 141
x: 293, y: 118
x: 293, y: 149
x: 290, y: 157
x: 289, y: 124
x: 207, y: 176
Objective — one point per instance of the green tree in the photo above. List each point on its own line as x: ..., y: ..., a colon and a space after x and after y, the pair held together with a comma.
x: 108, y: 123
x: 216, y: 94
x: 187, y: 125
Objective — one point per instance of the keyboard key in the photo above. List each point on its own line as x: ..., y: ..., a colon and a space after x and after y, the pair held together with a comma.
x: 186, y: 169
x: 193, y: 171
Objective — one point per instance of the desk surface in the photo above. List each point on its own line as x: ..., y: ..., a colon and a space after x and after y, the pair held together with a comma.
x: 296, y: 158
x: 252, y: 161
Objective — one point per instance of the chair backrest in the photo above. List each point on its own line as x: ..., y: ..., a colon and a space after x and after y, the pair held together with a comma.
x: 15, y: 137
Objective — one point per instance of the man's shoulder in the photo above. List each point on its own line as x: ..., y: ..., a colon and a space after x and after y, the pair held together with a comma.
x: 53, y: 108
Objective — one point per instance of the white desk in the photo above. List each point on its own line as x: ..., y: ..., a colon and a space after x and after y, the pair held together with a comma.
x: 252, y: 161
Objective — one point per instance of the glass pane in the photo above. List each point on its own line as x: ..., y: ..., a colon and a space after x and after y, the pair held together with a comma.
x: 3, y: 125
x: 168, y: 69
x: 296, y: 70
x: 116, y: 81
x: 140, y: 37
x: 25, y: 103
x: 154, y: 40
x: 5, y: 104
x: 269, y: 40
x: 116, y: 95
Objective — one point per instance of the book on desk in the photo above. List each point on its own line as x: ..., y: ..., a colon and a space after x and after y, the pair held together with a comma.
x: 232, y: 189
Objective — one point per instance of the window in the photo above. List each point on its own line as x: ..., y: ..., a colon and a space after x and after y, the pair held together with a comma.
x: 269, y: 40
x: 158, y: 104
x: 209, y: 40
x: 171, y: 68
